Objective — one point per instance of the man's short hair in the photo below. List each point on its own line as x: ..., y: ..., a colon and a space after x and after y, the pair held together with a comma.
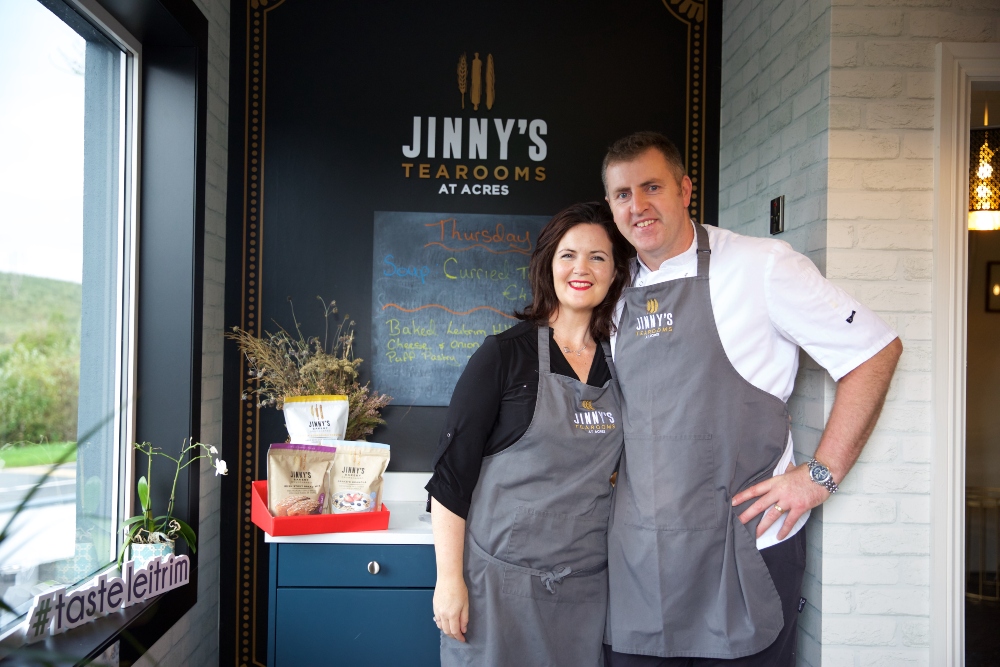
x: 629, y: 148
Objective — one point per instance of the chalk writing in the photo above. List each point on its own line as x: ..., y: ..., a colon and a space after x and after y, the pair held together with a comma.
x: 442, y: 283
x: 393, y: 270
x: 508, y: 241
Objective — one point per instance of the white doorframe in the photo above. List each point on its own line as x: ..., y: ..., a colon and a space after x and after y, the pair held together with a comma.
x: 958, y: 65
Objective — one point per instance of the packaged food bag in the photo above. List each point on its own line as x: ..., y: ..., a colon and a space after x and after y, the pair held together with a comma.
x: 355, y: 480
x: 297, y: 478
x: 310, y: 419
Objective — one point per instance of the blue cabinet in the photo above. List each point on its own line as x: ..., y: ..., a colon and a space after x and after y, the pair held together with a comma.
x: 352, y: 604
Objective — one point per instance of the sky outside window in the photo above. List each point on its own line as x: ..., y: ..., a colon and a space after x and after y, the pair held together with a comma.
x: 41, y: 236
x: 41, y: 143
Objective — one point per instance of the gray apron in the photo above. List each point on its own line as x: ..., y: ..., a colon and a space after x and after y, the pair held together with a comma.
x: 686, y: 577
x: 536, y: 534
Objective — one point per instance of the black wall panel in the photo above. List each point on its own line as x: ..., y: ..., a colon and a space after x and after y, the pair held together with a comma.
x: 323, y: 99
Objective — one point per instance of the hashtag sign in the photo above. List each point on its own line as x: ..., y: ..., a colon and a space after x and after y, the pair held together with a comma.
x: 39, y: 619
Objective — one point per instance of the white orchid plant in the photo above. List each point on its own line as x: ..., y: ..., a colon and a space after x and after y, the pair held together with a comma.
x: 148, y: 529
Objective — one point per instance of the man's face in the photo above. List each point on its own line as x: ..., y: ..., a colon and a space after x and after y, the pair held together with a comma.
x: 650, y: 206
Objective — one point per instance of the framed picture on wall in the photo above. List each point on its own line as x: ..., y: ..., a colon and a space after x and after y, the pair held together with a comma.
x: 993, y: 287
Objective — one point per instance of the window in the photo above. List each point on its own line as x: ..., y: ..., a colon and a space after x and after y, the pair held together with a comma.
x: 66, y: 140
x: 130, y: 312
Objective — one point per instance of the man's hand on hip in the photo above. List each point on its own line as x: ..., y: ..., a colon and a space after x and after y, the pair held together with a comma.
x: 792, y: 493
x: 860, y: 395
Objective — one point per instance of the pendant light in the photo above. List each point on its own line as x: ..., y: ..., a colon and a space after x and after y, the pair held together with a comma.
x: 984, y: 178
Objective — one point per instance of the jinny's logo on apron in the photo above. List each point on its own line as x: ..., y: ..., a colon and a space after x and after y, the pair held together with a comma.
x: 654, y: 322
x: 593, y: 421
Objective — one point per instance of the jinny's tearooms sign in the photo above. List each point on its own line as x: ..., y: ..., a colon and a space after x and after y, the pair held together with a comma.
x: 60, y: 610
x: 401, y: 158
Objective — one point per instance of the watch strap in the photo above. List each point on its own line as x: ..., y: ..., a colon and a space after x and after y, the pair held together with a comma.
x: 829, y: 484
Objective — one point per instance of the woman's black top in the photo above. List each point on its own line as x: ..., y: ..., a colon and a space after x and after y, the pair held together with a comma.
x: 491, y: 408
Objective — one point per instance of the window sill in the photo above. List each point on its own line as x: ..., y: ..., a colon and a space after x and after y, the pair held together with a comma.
x: 137, y: 628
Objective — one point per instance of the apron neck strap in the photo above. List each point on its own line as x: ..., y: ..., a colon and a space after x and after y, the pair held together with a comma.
x: 544, y: 364
x: 704, y: 252
x: 606, y: 346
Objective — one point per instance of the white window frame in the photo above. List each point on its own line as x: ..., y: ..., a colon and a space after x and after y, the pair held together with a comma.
x: 958, y: 65
x: 128, y: 255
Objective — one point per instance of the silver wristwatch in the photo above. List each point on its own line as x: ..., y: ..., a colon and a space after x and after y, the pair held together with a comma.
x: 820, y: 474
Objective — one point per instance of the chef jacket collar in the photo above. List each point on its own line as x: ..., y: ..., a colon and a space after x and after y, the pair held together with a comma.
x: 640, y: 270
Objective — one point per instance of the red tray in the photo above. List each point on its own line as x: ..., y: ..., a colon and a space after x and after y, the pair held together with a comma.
x: 312, y: 524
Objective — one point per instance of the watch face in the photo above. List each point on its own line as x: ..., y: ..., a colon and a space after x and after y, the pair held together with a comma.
x: 819, y: 472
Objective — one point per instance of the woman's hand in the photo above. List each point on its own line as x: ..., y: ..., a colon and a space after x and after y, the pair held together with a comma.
x: 451, y: 607
x: 451, y: 596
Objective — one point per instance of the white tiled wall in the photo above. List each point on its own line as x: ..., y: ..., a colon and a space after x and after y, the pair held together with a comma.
x: 868, y: 580
x: 194, y: 640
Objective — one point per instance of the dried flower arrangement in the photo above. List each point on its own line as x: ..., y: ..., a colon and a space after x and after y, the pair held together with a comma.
x: 298, y: 366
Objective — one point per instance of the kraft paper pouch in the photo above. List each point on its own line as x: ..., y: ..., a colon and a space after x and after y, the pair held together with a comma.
x: 297, y: 478
x: 356, y: 477
x: 310, y: 419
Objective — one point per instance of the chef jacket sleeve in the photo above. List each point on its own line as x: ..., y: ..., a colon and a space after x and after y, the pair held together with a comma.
x: 470, y: 419
x: 834, y: 328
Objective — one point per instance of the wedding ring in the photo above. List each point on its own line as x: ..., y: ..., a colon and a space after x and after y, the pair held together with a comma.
x: 778, y: 507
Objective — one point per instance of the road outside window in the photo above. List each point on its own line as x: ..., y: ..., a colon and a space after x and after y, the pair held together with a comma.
x: 62, y: 232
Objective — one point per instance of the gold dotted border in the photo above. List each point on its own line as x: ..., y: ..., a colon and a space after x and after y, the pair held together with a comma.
x: 694, y: 13
x: 253, y: 226
x: 255, y: 85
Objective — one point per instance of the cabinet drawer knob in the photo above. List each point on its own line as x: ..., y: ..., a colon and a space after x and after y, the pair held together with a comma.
x: 373, y: 567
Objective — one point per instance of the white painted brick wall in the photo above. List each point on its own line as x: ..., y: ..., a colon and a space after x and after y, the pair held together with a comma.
x: 774, y: 114
x: 869, y: 569
x: 194, y: 640
x: 880, y: 249
x: 774, y: 141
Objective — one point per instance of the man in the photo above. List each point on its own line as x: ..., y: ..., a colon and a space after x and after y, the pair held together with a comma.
x: 707, y: 351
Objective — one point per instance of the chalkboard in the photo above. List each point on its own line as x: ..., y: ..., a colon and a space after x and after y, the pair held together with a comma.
x: 441, y: 283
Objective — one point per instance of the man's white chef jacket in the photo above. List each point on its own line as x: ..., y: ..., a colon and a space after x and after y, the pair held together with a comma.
x: 768, y: 301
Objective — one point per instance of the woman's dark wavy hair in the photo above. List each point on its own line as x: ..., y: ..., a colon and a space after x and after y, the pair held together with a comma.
x: 545, y: 302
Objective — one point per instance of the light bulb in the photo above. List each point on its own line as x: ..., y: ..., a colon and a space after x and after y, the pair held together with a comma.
x: 985, y: 170
x: 984, y: 220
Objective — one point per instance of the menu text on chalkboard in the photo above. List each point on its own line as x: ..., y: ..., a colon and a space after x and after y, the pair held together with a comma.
x: 441, y: 283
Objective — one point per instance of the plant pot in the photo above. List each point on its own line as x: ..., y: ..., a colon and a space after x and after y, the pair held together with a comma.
x: 143, y: 553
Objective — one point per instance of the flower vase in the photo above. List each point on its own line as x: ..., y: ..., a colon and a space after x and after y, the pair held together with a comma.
x: 143, y: 553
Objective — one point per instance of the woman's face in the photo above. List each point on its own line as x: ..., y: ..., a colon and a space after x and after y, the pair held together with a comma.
x: 583, y: 267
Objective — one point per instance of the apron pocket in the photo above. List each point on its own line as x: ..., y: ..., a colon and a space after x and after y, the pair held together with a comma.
x: 671, y: 482
x: 546, y: 541
x: 763, y: 610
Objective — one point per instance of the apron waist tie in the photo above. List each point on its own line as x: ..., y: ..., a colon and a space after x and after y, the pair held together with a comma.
x: 548, y: 577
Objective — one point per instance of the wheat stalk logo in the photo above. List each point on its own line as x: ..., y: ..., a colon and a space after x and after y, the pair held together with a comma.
x: 463, y: 77
x: 587, y: 405
x: 476, y: 89
x: 490, y: 82
x: 477, y: 82
x: 652, y: 306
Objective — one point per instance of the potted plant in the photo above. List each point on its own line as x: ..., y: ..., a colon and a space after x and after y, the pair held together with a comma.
x: 288, y: 366
x: 149, y: 536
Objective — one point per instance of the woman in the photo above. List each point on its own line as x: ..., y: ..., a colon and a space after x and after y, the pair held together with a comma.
x: 521, y: 490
